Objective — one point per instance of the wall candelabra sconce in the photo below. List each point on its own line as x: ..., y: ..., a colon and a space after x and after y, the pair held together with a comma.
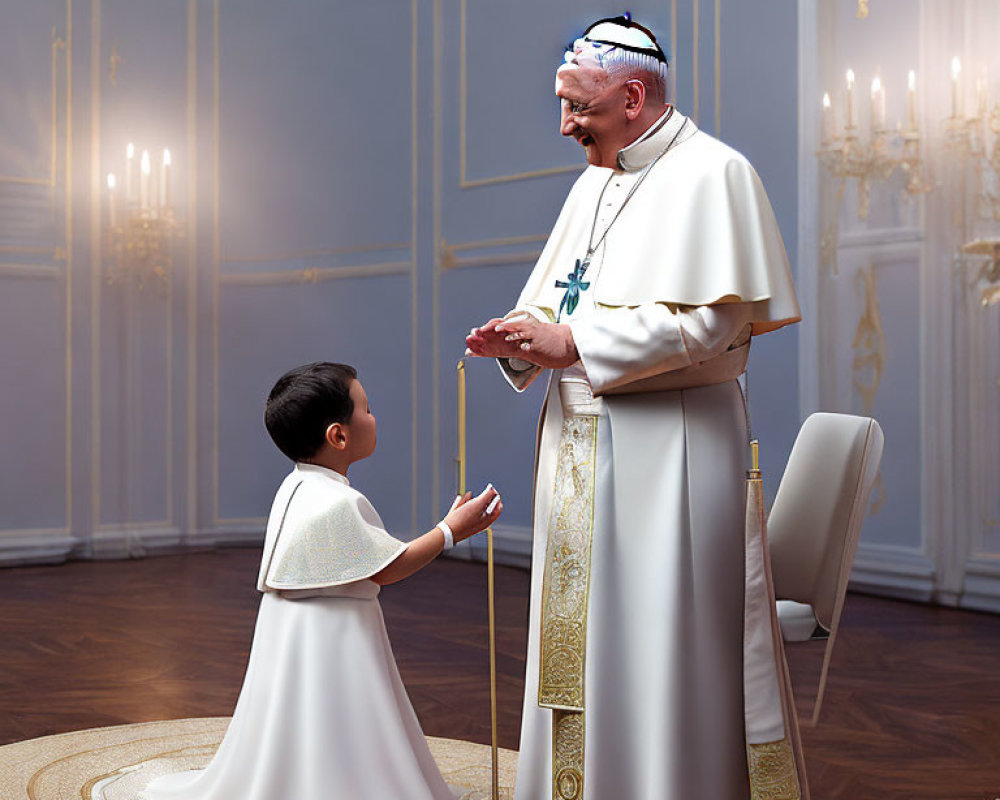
x: 968, y: 138
x: 141, y: 223
x: 847, y: 154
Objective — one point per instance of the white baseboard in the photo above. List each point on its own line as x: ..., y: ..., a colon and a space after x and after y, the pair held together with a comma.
x: 36, y: 546
x: 903, y: 572
x: 982, y: 584
x: 122, y: 540
x: 232, y: 533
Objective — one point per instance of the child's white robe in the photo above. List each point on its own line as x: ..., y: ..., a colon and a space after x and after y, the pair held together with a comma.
x: 323, y: 712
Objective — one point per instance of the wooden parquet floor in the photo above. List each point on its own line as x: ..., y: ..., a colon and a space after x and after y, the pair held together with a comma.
x: 912, y: 709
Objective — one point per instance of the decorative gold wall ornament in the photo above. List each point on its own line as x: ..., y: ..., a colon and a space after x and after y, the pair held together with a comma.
x: 113, y: 61
x: 870, y: 354
x: 968, y: 140
x: 989, y: 272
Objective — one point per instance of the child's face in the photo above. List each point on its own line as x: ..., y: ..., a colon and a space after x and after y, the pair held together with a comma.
x: 361, y: 426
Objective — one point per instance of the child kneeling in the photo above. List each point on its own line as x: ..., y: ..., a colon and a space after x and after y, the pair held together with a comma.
x: 323, y: 714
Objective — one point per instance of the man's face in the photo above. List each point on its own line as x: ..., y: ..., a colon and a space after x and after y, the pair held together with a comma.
x: 593, y: 102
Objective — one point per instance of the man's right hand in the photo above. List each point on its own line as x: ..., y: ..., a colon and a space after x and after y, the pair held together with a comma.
x: 486, y: 342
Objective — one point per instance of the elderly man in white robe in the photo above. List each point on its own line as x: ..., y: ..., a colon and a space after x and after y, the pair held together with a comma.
x: 665, y: 260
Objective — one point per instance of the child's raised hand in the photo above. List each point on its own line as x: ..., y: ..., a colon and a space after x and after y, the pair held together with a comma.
x: 469, y: 515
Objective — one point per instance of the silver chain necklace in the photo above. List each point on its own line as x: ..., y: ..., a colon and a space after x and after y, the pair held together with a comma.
x: 574, y: 283
x: 592, y: 248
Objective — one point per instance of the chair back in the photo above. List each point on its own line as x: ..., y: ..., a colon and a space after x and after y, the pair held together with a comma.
x: 815, y: 522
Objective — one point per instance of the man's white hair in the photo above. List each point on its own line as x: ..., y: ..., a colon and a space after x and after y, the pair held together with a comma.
x: 619, y: 62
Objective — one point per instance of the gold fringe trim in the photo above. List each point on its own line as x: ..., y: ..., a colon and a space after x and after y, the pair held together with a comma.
x: 772, y: 771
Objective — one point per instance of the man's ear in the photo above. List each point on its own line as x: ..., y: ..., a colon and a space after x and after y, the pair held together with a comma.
x: 635, y: 98
x: 336, y: 436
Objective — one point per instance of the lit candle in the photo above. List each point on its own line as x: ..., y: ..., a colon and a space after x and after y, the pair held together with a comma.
x: 165, y: 181
x: 878, y: 105
x: 129, y: 159
x: 956, y: 87
x: 981, y: 99
x: 911, y: 81
x: 111, y: 199
x: 850, y: 98
x: 145, y: 168
x: 827, y: 118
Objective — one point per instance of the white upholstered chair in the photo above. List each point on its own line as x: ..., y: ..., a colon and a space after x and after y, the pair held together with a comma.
x: 815, y: 523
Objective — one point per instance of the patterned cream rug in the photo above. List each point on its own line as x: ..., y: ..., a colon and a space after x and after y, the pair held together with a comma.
x: 115, y: 763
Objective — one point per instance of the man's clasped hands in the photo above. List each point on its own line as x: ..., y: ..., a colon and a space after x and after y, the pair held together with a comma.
x: 520, y: 335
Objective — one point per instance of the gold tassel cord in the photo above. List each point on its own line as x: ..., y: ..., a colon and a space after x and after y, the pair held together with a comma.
x: 491, y: 594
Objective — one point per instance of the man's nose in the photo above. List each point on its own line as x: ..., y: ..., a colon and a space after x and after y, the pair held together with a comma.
x: 567, y: 125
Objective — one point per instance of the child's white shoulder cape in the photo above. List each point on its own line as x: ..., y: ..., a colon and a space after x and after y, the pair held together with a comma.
x: 321, y: 533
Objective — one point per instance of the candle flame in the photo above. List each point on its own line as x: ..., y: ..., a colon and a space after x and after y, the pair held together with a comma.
x: 911, y: 81
x: 166, y: 158
x: 850, y: 79
x: 111, y: 181
x: 876, y: 86
x: 826, y: 99
x: 130, y: 150
x: 144, y: 163
x: 956, y: 68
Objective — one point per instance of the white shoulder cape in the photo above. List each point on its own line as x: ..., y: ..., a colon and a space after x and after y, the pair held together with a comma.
x: 321, y: 533
x: 698, y: 231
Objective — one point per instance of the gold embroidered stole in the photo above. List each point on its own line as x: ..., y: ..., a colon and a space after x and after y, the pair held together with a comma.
x: 565, y: 593
x: 775, y: 770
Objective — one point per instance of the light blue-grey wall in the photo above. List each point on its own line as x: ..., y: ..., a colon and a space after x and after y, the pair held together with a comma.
x: 326, y: 213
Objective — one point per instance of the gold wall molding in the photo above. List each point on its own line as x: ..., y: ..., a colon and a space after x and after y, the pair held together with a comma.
x: 61, y: 252
x: 193, y: 471
x: 58, y: 44
x: 41, y: 271
x: 308, y: 275
x: 450, y: 261
x: 718, y: 69
x: 870, y: 355
x: 464, y: 182
x: 300, y: 254
x: 57, y: 253
x: 695, y: 66
x: 98, y: 285
x: 314, y: 274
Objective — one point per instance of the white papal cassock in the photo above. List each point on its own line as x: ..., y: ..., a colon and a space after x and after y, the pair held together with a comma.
x: 323, y: 712
x: 644, y: 440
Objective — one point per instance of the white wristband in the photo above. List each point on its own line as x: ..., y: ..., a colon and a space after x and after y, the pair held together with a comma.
x: 449, y: 537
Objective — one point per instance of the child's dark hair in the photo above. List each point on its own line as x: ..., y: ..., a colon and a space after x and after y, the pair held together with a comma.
x: 304, y: 403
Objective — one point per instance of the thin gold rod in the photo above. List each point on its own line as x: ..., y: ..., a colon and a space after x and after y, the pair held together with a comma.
x: 493, y: 665
x: 490, y: 591
x: 461, y: 427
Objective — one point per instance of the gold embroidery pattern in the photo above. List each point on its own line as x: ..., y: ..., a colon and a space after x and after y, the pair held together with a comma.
x: 772, y: 771
x: 567, y: 568
x: 565, y: 592
x: 567, y: 755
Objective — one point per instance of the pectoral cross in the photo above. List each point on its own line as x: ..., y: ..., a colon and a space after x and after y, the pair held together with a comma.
x: 573, y: 286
